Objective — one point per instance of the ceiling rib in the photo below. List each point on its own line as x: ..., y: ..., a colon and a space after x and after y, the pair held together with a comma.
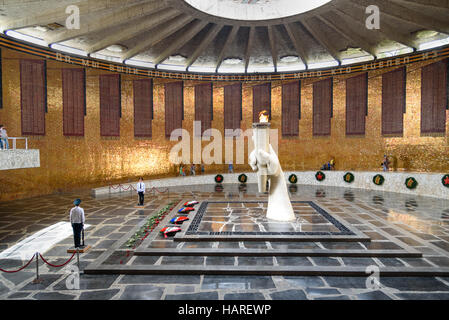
x: 211, y: 34
x: 135, y: 30
x: 180, y: 41
x: 156, y: 37
x: 321, y: 39
x: 431, y: 7
x: 386, y: 31
x: 105, y: 22
x: 273, y: 47
x: 249, y: 45
x: 297, y: 43
x: 351, y: 36
x: 59, y: 14
x: 229, y: 40
x: 407, y: 15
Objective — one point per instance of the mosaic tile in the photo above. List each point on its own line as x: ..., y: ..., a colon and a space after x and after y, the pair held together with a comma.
x: 193, y: 296
x: 244, y: 296
x: 237, y: 282
x: 142, y: 292
x: 289, y: 295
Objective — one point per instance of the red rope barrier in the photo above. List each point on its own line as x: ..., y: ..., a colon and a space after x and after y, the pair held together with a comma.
x: 57, y: 266
x: 121, y: 187
x: 154, y: 188
x: 14, y: 271
x: 131, y: 187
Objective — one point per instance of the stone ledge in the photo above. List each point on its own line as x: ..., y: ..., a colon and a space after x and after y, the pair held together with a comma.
x: 429, y: 184
x: 12, y: 159
x: 276, y: 253
x: 267, y: 270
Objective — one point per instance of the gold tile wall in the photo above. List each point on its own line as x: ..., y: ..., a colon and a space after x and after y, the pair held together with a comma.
x: 71, y: 163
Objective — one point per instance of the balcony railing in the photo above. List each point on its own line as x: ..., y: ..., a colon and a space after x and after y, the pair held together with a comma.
x: 13, y: 145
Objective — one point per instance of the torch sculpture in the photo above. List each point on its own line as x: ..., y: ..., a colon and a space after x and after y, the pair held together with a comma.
x: 271, y: 179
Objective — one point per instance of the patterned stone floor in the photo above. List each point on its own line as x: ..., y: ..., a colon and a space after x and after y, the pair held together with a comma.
x: 388, y: 219
x: 250, y: 217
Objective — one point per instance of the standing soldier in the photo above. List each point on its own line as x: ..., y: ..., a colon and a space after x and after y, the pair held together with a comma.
x: 77, y: 220
x: 141, y: 191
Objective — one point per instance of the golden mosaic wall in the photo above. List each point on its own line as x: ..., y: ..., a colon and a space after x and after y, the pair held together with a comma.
x: 71, y: 163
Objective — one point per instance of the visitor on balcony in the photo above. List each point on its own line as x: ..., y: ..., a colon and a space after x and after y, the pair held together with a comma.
x: 230, y: 168
x: 3, y: 137
x: 386, y: 163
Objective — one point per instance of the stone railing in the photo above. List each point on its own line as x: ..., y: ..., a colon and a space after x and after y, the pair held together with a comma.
x: 13, y: 145
x: 429, y: 184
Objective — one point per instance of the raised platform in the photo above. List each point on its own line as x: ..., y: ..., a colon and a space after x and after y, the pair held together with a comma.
x: 19, y: 159
x: 429, y: 184
x: 81, y: 250
x: 257, y: 252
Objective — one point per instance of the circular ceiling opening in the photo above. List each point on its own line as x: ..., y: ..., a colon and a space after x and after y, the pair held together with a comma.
x: 255, y: 9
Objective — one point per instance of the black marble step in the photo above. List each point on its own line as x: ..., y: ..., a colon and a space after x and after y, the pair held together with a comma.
x: 266, y: 237
x: 271, y: 253
x: 359, y: 271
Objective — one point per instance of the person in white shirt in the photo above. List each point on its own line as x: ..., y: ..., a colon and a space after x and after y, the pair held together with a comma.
x: 3, y: 138
x: 141, y: 191
x: 77, y: 220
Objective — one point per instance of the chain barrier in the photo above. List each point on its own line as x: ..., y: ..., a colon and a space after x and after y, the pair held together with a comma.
x: 14, y: 271
x: 157, y: 190
x: 60, y: 265
x: 131, y: 187
x: 37, y: 255
x: 123, y: 188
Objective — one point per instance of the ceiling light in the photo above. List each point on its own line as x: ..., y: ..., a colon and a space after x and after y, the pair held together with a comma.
x: 177, y: 58
x: 356, y: 60
x: 326, y: 64
x: 227, y: 69
x: 24, y: 37
x: 394, y: 53
x: 294, y: 67
x: 289, y: 59
x: 67, y: 49
x: 201, y: 69
x: 264, y: 69
x: 117, y: 48
x: 232, y: 61
x: 171, y: 67
x: 433, y: 44
x: 426, y: 34
x: 139, y: 63
x: 41, y: 28
x: 105, y: 57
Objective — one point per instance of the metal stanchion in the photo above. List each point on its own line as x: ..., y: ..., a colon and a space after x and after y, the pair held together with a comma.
x: 37, y: 280
x: 168, y: 191
x: 78, y: 258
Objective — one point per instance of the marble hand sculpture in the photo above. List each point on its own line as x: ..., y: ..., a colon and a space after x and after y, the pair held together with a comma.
x: 279, y: 204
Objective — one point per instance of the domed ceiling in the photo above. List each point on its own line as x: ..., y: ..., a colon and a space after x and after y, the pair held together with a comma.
x: 231, y: 36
